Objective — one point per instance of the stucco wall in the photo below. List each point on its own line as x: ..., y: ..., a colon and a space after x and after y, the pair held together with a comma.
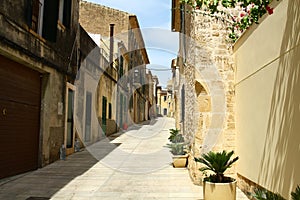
x: 268, y: 100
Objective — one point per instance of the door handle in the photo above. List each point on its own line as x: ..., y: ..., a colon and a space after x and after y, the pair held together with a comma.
x: 4, y: 111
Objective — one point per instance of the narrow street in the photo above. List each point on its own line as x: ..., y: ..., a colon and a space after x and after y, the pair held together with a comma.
x: 131, y: 165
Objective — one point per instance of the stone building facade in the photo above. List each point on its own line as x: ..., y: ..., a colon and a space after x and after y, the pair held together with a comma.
x: 206, y: 88
x: 162, y: 101
x: 129, y: 89
x: 38, y: 59
x: 246, y: 100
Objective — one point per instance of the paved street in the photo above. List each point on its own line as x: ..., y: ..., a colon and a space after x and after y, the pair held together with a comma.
x: 131, y: 165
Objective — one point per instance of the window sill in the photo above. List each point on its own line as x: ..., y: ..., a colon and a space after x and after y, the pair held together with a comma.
x: 37, y: 35
x: 60, y: 26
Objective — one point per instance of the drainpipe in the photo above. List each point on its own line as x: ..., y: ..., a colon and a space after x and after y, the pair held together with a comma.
x: 111, y: 46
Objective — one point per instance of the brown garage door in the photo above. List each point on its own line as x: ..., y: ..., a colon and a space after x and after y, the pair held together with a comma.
x: 19, y: 118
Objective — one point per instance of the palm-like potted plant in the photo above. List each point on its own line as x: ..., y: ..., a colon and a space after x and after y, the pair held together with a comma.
x: 217, y: 185
x: 296, y: 194
x: 175, y: 136
x: 263, y: 194
x: 177, y: 148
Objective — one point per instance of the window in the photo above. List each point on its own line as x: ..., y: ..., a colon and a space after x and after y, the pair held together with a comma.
x: 104, y: 106
x: 64, y: 14
x: 37, y: 11
x: 88, y: 116
x: 131, y: 102
x: 42, y: 16
x: 61, y: 11
x: 182, y: 102
x: 165, y: 98
x: 121, y: 67
x: 109, y: 111
x: 165, y: 111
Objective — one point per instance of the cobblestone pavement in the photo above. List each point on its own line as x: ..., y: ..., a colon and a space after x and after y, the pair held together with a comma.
x: 131, y: 165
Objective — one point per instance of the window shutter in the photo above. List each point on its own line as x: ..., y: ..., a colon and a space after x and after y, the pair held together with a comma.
x: 50, y: 20
x: 28, y: 12
x: 182, y: 103
x: 67, y: 13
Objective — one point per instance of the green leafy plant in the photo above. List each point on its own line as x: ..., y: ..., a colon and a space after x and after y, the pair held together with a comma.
x: 177, y: 144
x: 259, y: 194
x: 218, y: 163
x: 250, y: 11
x: 175, y: 136
x: 296, y: 194
x: 177, y: 148
x: 262, y: 194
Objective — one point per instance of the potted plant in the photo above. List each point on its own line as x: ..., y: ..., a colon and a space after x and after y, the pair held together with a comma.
x: 217, y: 185
x: 263, y: 194
x: 177, y: 148
x: 296, y: 194
x: 175, y: 136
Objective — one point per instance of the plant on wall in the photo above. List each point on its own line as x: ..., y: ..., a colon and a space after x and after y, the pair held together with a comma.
x: 239, y: 14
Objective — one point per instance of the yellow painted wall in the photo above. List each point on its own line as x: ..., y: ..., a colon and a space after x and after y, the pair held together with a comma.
x: 268, y: 100
x: 164, y: 104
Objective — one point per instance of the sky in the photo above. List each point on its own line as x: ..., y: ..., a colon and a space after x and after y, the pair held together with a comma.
x: 154, y: 18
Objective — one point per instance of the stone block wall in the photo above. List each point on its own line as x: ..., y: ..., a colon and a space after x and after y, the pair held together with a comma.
x: 96, y: 19
x: 209, y: 101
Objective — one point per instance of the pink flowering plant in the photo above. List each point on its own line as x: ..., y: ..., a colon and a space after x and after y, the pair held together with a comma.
x: 239, y: 14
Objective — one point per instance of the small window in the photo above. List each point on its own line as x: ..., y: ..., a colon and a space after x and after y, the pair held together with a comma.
x: 165, y: 98
x: 165, y: 111
x: 37, y: 13
x: 42, y: 17
x: 61, y: 11
x: 64, y: 13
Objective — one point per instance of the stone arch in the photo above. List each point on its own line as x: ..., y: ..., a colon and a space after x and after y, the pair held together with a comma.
x: 203, y: 109
x: 209, y: 115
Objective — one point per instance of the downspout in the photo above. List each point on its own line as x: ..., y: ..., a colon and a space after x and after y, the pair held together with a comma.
x: 111, y: 45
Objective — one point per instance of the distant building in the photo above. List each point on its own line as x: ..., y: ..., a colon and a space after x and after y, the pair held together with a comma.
x: 165, y: 102
x: 123, y: 92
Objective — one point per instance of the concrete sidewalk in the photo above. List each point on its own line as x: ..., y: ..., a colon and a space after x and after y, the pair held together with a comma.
x: 134, y: 165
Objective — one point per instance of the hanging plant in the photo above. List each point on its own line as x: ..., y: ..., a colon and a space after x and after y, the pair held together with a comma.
x: 238, y: 14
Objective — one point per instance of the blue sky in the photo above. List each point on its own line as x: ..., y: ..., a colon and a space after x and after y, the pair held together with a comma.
x: 155, y: 22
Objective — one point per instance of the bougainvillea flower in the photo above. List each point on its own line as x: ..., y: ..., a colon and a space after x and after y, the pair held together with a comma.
x: 270, y: 10
x: 242, y: 14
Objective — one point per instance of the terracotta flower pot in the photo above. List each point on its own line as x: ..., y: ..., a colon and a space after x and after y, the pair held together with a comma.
x: 179, y: 160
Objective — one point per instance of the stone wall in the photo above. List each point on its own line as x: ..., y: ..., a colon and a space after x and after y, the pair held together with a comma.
x: 209, y: 84
x: 96, y: 18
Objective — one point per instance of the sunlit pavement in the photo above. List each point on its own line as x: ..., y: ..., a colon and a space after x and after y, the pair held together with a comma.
x: 131, y: 165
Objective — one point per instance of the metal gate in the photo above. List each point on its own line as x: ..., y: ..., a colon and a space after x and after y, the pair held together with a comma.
x: 20, y: 94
